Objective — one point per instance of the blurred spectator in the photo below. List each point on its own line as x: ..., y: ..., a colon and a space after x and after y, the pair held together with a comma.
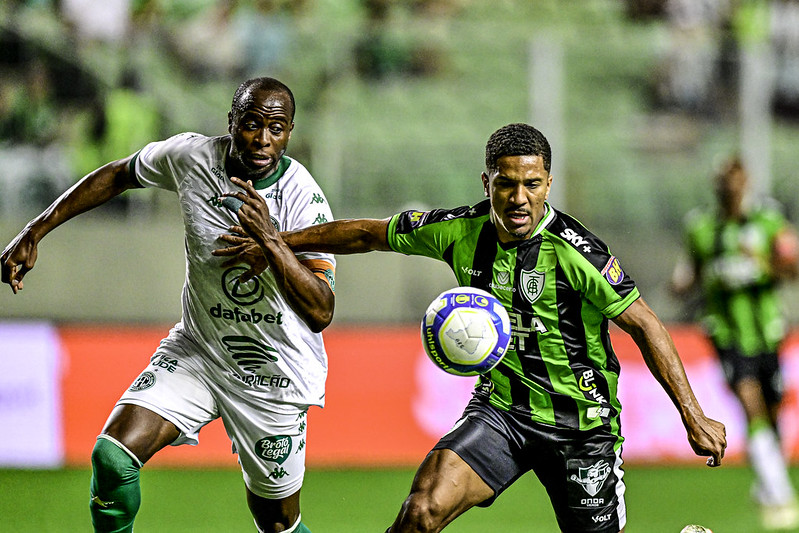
x: 645, y: 9
x: 785, y: 38
x: 690, y: 70
x: 381, y: 53
x: 106, y: 21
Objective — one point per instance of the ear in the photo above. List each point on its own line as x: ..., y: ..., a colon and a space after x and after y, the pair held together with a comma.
x: 484, y: 178
x: 230, y: 122
x: 549, y: 186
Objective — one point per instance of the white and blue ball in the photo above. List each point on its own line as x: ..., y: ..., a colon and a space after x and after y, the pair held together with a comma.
x: 466, y: 331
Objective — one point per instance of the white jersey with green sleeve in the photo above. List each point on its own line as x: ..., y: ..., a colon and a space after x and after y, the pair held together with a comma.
x: 247, y: 330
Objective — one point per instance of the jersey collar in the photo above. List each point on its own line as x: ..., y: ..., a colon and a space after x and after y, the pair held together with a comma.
x: 549, y: 216
x: 271, y: 179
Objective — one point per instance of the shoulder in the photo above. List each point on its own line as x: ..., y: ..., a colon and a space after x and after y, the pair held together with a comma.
x: 567, y: 230
x: 297, y: 172
x: 411, y: 220
x: 699, y: 218
x: 576, y: 248
x: 185, y: 144
x: 768, y: 209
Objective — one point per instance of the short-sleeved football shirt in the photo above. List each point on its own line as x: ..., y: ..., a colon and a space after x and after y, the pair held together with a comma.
x: 559, y: 287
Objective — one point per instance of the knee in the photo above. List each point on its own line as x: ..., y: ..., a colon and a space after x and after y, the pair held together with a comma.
x: 422, y: 513
x: 112, y: 464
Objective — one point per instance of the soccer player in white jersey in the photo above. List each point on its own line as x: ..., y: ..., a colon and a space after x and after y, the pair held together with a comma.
x: 248, y: 348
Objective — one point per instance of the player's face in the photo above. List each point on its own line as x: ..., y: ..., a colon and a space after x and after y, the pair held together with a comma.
x: 731, y: 188
x: 517, y: 189
x: 260, y: 135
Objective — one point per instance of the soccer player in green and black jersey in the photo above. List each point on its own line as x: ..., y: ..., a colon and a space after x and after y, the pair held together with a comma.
x: 551, y: 405
x: 738, y: 251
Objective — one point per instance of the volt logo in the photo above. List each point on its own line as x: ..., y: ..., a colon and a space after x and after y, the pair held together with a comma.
x: 249, y: 353
x: 576, y: 240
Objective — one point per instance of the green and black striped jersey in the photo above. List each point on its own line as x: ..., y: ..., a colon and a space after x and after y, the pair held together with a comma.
x: 560, y: 286
x: 733, y: 260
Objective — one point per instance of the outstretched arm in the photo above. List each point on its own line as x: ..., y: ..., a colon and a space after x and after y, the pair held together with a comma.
x: 353, y: 236
x: 706, y: 436
x: 93, y: 190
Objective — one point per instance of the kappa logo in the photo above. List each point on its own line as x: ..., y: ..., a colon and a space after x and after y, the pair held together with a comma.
x: 320, y: 219
x: 242, y: 293
x: 576, y: 240
x: 593, y: 477
x: 532, y: 284
x: 317, y: 199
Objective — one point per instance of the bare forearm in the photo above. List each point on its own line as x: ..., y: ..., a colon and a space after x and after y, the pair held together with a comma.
x: 706, y: 436
x: 660, y: 356
x: 95, y: 189
x: 353, y: 236
x: 307, y: 294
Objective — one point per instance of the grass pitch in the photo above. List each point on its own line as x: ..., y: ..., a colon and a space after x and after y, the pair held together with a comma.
x: 337, y: 501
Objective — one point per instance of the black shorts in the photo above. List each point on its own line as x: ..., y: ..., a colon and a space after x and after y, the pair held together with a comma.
x: 580, y: 470
x: 764, y: 368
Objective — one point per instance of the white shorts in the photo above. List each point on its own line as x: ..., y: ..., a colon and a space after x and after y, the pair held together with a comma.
x: 183, y: 386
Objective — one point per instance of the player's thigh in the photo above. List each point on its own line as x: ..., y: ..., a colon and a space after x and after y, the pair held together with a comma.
x: 269, y: 439
x: 141, y: 431
x: 168, y: 403
x: 581, y: 472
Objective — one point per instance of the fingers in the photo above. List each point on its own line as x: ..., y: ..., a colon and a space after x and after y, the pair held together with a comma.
x: 13, y: 274
x: 237, y: 241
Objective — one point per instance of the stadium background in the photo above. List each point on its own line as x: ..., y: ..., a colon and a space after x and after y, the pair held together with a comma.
x: 640, y: 99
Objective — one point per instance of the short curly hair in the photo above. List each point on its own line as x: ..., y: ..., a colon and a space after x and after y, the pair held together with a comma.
x: 517, y: 139
x: 241, y: 98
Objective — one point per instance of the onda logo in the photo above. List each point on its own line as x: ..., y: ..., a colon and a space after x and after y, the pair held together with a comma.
x: 249, y: 353
x: 241, y: 293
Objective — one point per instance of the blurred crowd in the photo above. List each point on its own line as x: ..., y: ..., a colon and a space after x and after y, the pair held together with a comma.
x: 89, y: 82
x: 705, y: 37
x: 86, y: 82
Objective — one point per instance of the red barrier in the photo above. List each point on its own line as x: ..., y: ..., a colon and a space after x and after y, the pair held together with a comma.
x: 387, y: 405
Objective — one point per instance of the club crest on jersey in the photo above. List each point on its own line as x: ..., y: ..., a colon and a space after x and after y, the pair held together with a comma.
x: 592, y: 478
x: 532, y: 284
x: 613, y: 272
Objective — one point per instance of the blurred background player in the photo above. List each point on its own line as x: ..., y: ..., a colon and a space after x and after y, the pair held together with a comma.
x: 737, y: 252
x: 550, y: 406
x: 249, y: 352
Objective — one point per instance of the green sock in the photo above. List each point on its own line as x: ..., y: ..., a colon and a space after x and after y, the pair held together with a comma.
x: 302, y: 529
x: 115, y: 488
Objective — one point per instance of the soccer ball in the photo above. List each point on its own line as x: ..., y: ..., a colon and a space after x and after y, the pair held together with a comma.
x: 693, y: 528
x: 466, y: 331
